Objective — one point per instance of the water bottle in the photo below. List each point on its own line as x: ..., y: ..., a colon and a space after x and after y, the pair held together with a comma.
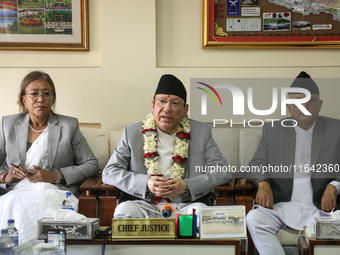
x: 6, y: 243
x: 13, y: 232
x: 68, y: 202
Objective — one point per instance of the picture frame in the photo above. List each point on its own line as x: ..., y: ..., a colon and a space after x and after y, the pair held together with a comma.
x: 257, y: 24
x: 223, y: 222
x: 44, y: 25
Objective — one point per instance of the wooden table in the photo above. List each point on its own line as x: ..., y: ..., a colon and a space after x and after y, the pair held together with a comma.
x: 318, y: 247
x: 164, y: 247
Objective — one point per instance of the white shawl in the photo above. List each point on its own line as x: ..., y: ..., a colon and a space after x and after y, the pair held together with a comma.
x: 38, y: 152
x: 30, y: 201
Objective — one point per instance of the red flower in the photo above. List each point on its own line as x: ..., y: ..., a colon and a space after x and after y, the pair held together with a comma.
x: 149, y: 129
x: 183, y: 135
x: 157, y: 200
x: 150, y: 154
x: 179, y: 159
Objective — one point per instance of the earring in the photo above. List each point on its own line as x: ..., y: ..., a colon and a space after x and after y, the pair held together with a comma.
x: 25, y: 106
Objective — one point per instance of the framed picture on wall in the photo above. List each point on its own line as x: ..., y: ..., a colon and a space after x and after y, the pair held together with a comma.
x: 53, y: 25
x: 270, y: 24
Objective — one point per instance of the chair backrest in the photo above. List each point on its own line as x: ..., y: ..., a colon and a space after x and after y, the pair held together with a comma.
x: 249, y: 141
x: 90, y: 125
x: 98, y: 140
x: 227, y: 142
x: 237, y: 145
x: 114, y: 138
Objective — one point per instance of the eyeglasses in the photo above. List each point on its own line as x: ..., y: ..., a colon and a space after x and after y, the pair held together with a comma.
x: 35, y: 95
x: 312, y: 101
x: 175, y: 104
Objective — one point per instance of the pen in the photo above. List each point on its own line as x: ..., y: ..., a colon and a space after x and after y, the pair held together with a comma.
x: 15, y: 166
x: 19, y: 168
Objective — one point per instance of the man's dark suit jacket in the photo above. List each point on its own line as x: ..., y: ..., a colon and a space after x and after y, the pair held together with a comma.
x: 277, y: 147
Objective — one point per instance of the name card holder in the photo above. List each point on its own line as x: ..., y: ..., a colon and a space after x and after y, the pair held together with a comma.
x: 146, y: 229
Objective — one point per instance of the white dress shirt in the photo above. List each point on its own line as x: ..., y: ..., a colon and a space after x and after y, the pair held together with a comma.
x: 166, y: 148
x: 301, y: 209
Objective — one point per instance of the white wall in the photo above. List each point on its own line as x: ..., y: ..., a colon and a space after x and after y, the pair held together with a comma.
x: 114, y: 82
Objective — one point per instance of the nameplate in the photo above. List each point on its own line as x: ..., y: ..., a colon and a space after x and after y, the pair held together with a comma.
x: 143, y: 229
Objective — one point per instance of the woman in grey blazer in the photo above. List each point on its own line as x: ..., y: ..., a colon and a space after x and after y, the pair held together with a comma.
x: 40, y: 145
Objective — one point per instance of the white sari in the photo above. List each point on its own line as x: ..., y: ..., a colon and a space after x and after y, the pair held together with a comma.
x: 38, y: 152
x: 37, y: 155
x: 29, y: 201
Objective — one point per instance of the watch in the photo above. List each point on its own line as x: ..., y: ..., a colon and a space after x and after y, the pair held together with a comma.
x: 58, y: 178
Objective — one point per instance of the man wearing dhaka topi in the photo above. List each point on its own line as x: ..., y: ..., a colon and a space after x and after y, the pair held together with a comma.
x: 156, y: 158
x: 292, y: 199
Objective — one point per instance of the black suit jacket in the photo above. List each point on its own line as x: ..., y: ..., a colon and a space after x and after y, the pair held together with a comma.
x: 277, y: 149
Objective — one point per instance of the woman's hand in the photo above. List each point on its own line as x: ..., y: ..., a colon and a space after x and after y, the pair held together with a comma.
x: 15, y: 173
x: 41, y: 175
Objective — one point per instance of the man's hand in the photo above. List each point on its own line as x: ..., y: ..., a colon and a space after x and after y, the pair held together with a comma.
x: 163, y: 187
x: 155, y: 185
x: 264, y: 195
x: 174, y: 187
x: 328, y: 200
